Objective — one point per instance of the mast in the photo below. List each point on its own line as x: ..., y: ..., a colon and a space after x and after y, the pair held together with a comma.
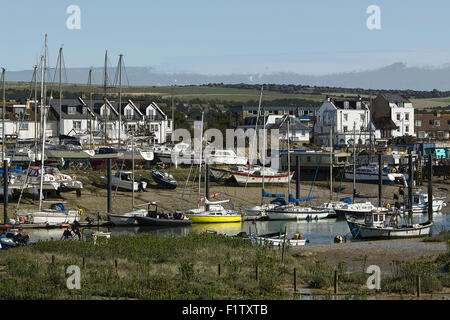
x: 120, y: 95
x: 331, y: 163
x: 105, y: 89
x: 200, y: 161
x: 35, y: 113
x: 173, y: 118
x: 289, y: 157
x: 90, y: 102
x: 132, y: 151
x: 264, y: 139
x: 3, y: 116
x: 60, y: 93
x: 43, y: 116
x: 354, y: 160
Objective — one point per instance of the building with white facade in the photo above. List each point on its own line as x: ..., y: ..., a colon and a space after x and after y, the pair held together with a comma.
x: 341, y: 120
x: 394, y: 111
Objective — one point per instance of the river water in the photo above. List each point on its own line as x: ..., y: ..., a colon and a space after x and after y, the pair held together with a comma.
x: 318, y: 232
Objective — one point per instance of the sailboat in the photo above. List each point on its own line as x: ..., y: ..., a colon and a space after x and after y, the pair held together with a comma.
x: 211, y: 211
x: 291, y: 211
x: 56, y: 214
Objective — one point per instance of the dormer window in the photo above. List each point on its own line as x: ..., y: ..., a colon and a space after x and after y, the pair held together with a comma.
x: 71, y: 110
x: 346, y: 104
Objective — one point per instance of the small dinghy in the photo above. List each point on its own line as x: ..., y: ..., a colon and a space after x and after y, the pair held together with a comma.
x: 161, y: 219
x: 277, y: 239
x: 13, y: 238
x: 164, y: 179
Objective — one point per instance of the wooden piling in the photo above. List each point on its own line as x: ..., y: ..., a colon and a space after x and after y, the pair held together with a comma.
x: 53, y: 259
x: 256, y: 273
x: 84, y: 262
x: 116, y: 263
x: 335, y: 282
x: 418, y: 286
x: 218, y: 269
x: 295, y: 279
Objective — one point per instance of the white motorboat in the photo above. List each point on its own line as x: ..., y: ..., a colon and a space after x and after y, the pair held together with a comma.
x: 66, y: 182
x: 369, y: 174
x: 224, y: 157
x: 375, y: 225
x: 55, y: 215
x: 357, y: 209
x: 171, y: 153
x: 293, y: 239
x: 124, y: 180
x: 420, y: 202
x: 127, y: 218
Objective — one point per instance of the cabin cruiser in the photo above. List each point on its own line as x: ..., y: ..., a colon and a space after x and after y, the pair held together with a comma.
x: 357, y: 209
x: 124, y: 180
x: 420, y: 202
x: 66, y: 182
x: 369, y: 174
x: 224, y: 157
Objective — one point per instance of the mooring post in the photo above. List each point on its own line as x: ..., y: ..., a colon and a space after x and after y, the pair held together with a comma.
x: 380, y: 181
x: 256, y: 272
x: 295, y: 279
x: 53, y: 259
x: 418, y: 286
x: 84, y: 262
x: 430, y: 188
x: 116, y: 264
x: 410, y: 187
x: 335, y: 282
x: 109, y: 185
x: 218, y: 269
x: 5, y: 191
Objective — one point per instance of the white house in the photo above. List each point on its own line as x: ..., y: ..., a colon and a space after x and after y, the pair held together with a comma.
x: 343, y: 117
x: 399, y: 110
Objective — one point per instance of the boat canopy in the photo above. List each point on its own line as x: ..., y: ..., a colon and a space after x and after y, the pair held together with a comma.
x: 271, y: 195
x: 292, y: 199
x: 56, y: 206
x: 347, y: 199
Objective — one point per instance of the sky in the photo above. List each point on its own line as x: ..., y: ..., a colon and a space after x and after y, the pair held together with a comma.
x: 222, y: 37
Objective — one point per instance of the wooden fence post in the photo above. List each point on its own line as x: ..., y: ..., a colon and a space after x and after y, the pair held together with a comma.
x: 335, y: 282
x: 418, y: 286
x: 218, y: 269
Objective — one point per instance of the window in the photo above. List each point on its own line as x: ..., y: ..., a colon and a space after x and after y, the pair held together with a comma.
x: 345, y: 117
x: 72, y: 110
x: 363, y: 117
x: 129, y: 114
x: 24, y: 127
x: 398, y: 116
x: 346, y: 104
x: 406, y: 116
x: 436, y: 123
x: 77, y: 125
x: 345, y: 128
x: 406, y: 128
x: 418, y: 123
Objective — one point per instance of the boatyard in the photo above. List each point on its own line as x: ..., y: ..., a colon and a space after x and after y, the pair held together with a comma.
x: 257, y: 184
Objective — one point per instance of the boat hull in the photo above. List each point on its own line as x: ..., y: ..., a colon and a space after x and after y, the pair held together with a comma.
x: 205, y: 218
x: 161, y: 222
x: 296, y: 215
x: 244, y: 178
x: 359, y: 230
x: 127, y: 219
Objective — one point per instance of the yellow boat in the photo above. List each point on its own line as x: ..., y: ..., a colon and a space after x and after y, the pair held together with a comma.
x: 213, y: 213
x: 213, y: 218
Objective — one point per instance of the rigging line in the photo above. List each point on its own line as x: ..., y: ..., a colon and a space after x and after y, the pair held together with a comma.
x: 23, y: 185
x: 342, y: 177
x: 315, y: 176
x: 125, y: 69
x: 254, y: 139
x: 185, y: 185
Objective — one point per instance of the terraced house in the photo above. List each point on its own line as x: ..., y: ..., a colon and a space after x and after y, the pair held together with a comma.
x: 434, y: 125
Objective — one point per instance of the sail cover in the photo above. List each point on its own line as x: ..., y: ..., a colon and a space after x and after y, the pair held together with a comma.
x: 271, y: 195
x: 292, y: 199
